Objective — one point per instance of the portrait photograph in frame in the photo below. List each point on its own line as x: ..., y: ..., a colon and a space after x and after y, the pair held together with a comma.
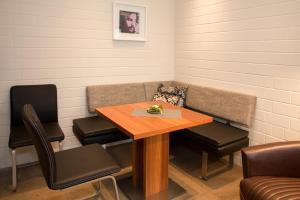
x: 129, y: 22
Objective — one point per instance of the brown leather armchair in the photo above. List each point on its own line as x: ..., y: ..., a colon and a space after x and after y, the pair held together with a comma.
x: 271, y: 171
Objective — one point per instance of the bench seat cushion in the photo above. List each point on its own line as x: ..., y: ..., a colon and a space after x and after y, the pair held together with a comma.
x: 96, y: 130
x: 218, y: 134
x: 216, y: 137
x: 91, y: 126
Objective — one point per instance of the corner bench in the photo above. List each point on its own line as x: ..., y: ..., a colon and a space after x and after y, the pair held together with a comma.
x: 220, y: 138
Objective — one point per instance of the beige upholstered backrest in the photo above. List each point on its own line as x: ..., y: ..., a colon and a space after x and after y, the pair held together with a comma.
x: 107, y: 95
x: 232, y: 106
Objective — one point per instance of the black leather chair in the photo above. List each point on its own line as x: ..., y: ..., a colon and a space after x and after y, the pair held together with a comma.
x: 71, y: 167
x: 44, y: 99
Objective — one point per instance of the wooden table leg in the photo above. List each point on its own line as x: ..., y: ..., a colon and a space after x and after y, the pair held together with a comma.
x: 150, y: 165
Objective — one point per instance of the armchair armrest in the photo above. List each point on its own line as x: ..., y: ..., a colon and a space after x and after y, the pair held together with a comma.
x: 275, y: 159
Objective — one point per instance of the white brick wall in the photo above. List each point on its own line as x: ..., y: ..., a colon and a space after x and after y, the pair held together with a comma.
x: 245, y: 46
x: 69, y: 43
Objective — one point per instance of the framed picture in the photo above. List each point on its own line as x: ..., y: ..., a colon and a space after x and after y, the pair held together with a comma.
x: 129, y: 22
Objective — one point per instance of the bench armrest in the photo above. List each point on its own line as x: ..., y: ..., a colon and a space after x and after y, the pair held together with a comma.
x: 280, y: 159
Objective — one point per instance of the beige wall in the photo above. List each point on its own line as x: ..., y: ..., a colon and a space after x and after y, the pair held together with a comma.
x: 69, y: 43
x: 246, y: 46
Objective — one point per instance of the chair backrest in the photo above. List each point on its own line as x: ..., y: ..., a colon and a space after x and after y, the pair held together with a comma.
x: 42, y: 97
x: 42, y: 145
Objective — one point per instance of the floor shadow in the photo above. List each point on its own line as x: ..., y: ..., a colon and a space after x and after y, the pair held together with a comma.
x: 189, y: 161
x: 122, y: 154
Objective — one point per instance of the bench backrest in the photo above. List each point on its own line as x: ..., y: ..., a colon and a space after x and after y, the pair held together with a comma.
x: 108, y: 95
x: 232, y: 106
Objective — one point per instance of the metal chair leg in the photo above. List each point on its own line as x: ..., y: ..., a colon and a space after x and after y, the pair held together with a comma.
x: 97, y: 188
x: 116, y: 187
x: 14, y: 169
x: 60, y: 145
x: 96, y: 194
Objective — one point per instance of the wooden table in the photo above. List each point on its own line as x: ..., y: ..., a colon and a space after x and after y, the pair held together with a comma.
x: 151, y: 141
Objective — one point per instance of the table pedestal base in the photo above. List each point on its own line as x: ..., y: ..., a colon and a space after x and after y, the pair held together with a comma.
x: 150, y: 160
x: 136, y: 193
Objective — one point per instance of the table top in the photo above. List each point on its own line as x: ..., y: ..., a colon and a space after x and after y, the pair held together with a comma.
x: 139, y: 127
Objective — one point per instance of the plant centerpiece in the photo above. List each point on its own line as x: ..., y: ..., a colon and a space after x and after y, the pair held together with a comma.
x: 155, y: 109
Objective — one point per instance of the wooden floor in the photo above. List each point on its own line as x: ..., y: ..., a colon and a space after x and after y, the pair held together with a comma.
x: 183, y: 169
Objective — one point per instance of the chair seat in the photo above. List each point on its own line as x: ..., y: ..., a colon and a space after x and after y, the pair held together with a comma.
x: 82, y: 164
x: 20, y: 138
x: 218, y: 134
x: 270, y: 188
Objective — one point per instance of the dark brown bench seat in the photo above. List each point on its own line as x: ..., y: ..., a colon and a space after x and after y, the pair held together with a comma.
x: 95, y: 129
x: 219, y: 138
